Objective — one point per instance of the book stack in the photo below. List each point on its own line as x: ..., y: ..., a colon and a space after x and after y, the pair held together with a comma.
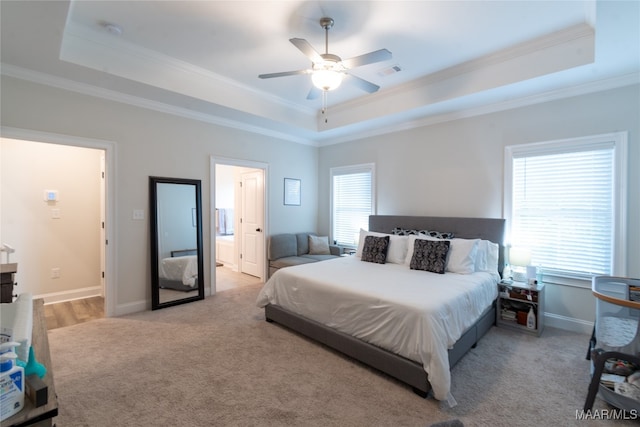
x: 508, y: 315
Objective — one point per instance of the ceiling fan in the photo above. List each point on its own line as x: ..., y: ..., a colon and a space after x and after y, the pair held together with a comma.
x: 328, y: 70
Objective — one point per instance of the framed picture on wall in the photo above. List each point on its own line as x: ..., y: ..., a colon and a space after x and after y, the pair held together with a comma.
x: 292, y: 192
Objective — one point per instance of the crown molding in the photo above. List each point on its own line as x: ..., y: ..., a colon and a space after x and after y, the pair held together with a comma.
x: 111, y: 95
x: 100, y: 51
x: 554, y: 95
x: 322, y: 139
x: 545, y: 55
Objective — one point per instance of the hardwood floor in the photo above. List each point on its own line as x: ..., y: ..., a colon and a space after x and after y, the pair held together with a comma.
x: 69, y: 313
x: 226, y: 278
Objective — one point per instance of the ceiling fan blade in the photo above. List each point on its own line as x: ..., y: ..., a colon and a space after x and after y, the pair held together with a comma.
x: 363, y: 84
x: 367, y: 58
x: 314, y: 93
x: 307, y: 49
x: 283, y: 74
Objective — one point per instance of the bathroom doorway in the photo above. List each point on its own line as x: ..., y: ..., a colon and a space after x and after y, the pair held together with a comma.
x: 238, y: 223
x: 74, y: 213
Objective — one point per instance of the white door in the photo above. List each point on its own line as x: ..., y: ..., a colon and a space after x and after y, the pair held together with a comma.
x: 252, y: 218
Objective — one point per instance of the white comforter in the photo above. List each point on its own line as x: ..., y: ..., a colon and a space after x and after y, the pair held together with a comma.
x: 416, y: 314
x: 183, y: 268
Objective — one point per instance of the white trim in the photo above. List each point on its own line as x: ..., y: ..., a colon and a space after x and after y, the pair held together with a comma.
x: 111, y: 95
x: 568, y: 324
x: 132, y: 307
x: 109, y: 147
x: 328, y: 137
x: 387, y: 126
x: 89, y: 48
x: 617, y: 140
x: 218, y: 160
x: 54, y: 297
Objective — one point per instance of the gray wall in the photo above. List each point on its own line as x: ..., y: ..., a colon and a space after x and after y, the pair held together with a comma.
x: 151, y: 143
x: 455, y: 168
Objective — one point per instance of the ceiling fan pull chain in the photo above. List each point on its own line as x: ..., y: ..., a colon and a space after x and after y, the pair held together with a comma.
x: 324, y: 105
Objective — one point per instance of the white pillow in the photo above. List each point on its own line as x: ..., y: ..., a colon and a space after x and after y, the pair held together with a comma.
x: 487, y: 256
x: 397, y: 250
x: 319, y: 245
x: 481, y: 256
x: 462, y: 256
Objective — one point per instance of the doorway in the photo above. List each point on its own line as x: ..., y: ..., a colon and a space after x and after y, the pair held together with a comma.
x: 238, y: 222
x: 76, y: 202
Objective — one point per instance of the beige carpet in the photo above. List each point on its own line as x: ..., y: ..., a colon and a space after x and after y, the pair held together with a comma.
x: 217, y: 363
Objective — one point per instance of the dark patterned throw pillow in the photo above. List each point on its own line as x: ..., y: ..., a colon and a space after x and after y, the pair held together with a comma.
x: 430, y: 255
x: 375, y: 249
x: 431, y: 233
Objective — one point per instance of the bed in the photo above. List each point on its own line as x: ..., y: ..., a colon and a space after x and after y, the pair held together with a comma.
x: 379, y: 318
x: 180, y: 271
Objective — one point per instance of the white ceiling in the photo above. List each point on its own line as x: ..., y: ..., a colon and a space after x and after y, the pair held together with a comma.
x: 202, y: 58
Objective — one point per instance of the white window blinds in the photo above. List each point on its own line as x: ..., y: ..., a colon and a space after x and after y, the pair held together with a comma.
x: 564, y: 205
x: 352, y: 202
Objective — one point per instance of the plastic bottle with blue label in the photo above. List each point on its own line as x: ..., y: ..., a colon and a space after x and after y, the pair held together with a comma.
x: 11, y: 382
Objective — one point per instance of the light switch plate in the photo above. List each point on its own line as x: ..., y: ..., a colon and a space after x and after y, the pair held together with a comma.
x: 138, y: 214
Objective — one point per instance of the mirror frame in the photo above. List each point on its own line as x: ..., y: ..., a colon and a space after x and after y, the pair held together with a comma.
x: 153, y: 220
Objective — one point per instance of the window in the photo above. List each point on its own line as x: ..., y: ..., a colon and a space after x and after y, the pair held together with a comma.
x: 352, y: 201
x: 565, y: 201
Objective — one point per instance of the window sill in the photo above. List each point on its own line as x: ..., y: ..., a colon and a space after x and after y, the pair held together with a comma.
x: 574, y: 282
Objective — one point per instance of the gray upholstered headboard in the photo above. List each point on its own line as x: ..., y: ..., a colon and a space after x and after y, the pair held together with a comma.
x: 492, y: 229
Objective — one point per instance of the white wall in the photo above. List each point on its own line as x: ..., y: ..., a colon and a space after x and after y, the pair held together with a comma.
x: 149, y: 143
x: 70, y: 243
x: 456, y: 169
x: 225, y: 186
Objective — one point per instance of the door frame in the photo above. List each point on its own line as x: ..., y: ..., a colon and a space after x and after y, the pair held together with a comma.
x: 217, y: 160
x: 109, y: 148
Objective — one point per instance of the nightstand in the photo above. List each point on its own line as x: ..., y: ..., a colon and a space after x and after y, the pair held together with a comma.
x: 514, y: 301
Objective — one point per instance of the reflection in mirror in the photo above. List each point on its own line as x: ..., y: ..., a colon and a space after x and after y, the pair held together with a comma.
x: 176, y: 241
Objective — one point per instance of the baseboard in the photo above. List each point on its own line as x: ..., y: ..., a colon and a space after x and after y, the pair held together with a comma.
x: 95, y: 291
x: 130, y: 308
x: 53, y: 297
x: 568, y: 323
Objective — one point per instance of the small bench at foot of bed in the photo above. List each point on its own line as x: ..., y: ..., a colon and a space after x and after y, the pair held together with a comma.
x: 398, y: 367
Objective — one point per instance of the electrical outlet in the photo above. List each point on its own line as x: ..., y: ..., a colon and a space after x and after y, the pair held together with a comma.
x: 55, y: 273
x: 138, y: 214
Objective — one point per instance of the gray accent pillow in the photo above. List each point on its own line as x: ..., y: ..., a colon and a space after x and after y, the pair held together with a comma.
x: 375, y: 249
x: 430, y: 255
x: 319, y: 245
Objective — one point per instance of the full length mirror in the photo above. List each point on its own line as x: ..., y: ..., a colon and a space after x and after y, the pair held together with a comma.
x: 176, y: 241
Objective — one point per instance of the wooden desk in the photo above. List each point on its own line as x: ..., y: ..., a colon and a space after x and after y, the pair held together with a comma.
x: 43, y: 415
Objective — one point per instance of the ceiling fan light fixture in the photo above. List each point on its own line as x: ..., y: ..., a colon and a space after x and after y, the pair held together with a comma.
x: 326, y: 79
